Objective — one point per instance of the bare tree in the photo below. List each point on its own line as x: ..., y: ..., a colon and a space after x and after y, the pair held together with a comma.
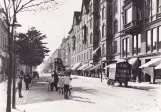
x: 10, y: 9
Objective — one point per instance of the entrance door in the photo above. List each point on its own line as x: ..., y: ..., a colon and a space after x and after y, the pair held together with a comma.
x: 147, y: 77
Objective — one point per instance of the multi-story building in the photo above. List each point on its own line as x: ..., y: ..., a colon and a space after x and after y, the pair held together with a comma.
x: 108, y: 31
x: 3, y: 48
x: 140, y: 37
x: 65, y: 52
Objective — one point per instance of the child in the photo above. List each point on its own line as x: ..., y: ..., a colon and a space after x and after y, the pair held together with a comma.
x: 60, y: 84
x: 66, y: 85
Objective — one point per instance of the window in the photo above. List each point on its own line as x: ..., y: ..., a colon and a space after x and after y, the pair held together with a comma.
x: 115, y: 47
x: 159, y: 37
x: 136, y: 44
x: 148, y: 40
x: 103, y: 30
x: 115, y: 27
x: 91, y: 38
x: 99, y: 36
x: 159, y: 6
x: 115, y: 6
x: 86, y: 30
x: 139, y: 43
x: 126, y: 47
x: 154, y: 31
x: 90, y: 10
x: 103, y: 12
x: 91, y: 54
x: 103, y: 50
x: 91, y: 23
x: 128, y: 15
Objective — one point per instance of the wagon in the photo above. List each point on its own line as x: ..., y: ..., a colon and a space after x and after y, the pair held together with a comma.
x: 119, y: 72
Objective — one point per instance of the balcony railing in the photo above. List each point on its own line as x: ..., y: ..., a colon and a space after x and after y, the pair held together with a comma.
x: 134, y: 25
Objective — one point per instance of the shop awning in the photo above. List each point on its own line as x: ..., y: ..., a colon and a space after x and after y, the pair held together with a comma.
x: 96, y: 67
x: 76, y: 66
x: 82, y: 67
x: 94, y: 52
x: 113, y: 65
x: 88, y: 67
x: 153, y: 63
x: 158, y: 67
x: 133, y: 62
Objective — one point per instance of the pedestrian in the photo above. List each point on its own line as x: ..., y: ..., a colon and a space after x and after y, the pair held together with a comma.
x: 66, y: 85
x: 51, y: 82
x: 56, y: 79
x: 61, y: 84
x: 27, y: 80
x: 103, y: 75
x: 20, y: 86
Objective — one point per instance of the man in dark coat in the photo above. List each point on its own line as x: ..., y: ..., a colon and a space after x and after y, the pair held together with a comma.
x: 27, y: 79
x: 20, y: 86
x: 56, y: 80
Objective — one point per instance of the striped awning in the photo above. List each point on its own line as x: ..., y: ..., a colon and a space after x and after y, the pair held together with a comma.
x: 153, y: 63
x: 76, y: 66
x: 88, y: 67
x: 82, y: 67
x: 96, y: 67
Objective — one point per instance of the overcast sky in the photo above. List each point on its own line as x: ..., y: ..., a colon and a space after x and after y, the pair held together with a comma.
x: 55, y: 24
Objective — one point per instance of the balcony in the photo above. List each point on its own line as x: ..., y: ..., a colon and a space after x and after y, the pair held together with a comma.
x: 132, y: 27
x: 136, y: 2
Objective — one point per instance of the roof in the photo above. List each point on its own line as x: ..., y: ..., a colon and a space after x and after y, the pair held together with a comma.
x: 75, y: 16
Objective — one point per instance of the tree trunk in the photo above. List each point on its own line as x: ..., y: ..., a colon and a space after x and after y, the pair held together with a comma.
x: 8, y: 107
x: 31, y: 70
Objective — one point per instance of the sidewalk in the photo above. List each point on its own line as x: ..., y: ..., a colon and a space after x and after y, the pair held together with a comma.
x: 3, y: 97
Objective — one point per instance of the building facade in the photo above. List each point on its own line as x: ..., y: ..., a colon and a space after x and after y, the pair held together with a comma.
x: 3, y: 49
x: 65, y: 52
x: 141, y: 34
x: 108, y: 31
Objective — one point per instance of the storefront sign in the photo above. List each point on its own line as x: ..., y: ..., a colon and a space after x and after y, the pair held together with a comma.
x: 123, y: 71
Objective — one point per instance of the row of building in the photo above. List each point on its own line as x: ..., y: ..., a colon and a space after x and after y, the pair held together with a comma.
x: 4, y: 57
x: 3, y: 49
x: 108, y: 31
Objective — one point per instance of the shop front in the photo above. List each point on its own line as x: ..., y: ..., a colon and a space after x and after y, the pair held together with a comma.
x: 151, y: 70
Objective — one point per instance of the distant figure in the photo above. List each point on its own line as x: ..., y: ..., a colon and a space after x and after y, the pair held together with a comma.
x: 61, y: 83
x: 20, y: 86
x: 27, y: 79
x: 56, y: 79
x: 52, y: 82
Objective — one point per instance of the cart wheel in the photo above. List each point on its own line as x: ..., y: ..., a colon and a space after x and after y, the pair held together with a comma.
x: 126, y: 84
x: 112, y: 83
x: 108, y: 82
x: 120, y: 84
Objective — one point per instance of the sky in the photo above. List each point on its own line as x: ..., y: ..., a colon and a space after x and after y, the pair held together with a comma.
x: 55, y: 24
